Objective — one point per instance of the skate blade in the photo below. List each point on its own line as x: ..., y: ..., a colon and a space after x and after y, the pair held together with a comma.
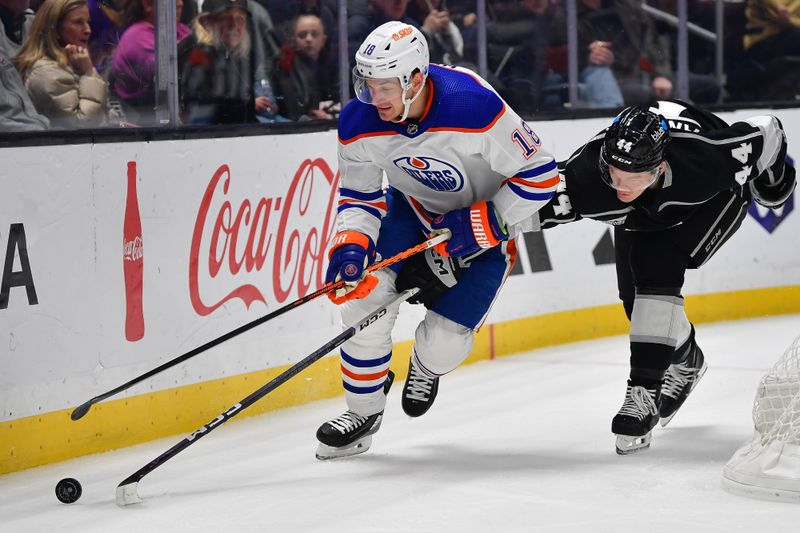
x: 628, y: 444
x: 325, y: 452
x: 665, y: 420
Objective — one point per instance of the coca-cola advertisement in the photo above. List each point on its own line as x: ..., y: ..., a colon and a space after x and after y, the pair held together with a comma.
x: 261, y: 248
x: 133, y: 260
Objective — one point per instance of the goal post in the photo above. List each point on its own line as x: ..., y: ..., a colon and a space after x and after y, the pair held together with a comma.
x: 768, y: 467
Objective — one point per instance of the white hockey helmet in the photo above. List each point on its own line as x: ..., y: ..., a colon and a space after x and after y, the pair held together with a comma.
x: 392, y: 50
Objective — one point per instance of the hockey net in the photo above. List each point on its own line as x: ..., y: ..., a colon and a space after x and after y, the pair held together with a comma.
x: 769, y: 465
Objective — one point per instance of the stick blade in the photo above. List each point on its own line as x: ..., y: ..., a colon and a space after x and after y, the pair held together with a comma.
x: 128, y: 494
x: 80, y: 411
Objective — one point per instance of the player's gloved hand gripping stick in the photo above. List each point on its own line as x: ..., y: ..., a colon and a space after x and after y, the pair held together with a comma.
x: 350, y: 255
x: 82, y: 409
x: 473, y: 228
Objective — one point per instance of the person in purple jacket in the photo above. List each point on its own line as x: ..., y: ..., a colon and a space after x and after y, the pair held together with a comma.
x: 106, y: 22
x: 133, y: 70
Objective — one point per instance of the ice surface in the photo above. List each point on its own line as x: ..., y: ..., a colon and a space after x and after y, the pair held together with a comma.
x: 520, y: 443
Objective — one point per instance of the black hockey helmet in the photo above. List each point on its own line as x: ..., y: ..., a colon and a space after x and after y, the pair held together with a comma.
x: 635, y: 142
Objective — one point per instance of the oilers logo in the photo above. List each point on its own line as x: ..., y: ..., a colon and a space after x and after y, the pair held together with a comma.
x: 433, y: 173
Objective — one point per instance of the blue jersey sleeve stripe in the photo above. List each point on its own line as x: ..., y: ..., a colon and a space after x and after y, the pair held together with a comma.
x: 529, y: 195
x: 359, y: 195
x: 365, y: 363
x: 538, y: 171
x: 371, y: 210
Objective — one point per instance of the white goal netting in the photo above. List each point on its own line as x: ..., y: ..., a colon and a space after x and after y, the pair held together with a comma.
x: 769, y: 465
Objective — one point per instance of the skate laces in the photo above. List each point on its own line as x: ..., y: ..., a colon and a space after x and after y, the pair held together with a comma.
x: 639, y: 403
x: 419, y: 385
x: 677, y: 377
x: 348, y: 421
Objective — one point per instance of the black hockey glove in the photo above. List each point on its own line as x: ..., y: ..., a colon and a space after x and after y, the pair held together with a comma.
x: 773, y: 187
x: 431, y: 272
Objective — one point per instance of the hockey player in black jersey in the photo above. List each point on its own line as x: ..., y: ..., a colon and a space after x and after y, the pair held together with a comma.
x: 675, y: 182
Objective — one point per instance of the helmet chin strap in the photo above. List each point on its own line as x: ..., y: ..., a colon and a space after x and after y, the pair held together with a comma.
x: 407, y: 102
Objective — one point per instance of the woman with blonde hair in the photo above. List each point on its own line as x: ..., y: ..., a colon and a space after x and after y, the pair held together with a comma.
x: 55, y: 65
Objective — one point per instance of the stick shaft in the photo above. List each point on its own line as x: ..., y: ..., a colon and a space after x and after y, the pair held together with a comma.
x: 266, y: 389
x: 81, y: 410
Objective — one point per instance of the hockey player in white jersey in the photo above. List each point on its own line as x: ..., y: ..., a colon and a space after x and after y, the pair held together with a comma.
x: 456, y: 159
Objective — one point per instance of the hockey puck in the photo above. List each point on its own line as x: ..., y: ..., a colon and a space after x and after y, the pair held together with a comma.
x: 68, y: 490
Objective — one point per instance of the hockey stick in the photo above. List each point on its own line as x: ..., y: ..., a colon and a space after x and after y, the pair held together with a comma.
x: 82, y: 409
x: 127, y: 491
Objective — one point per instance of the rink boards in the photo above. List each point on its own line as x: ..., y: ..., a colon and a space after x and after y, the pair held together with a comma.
x: 233, y: 229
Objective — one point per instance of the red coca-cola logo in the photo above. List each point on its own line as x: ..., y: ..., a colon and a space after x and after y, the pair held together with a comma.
x: 132, y: 249
x: 237, y: 239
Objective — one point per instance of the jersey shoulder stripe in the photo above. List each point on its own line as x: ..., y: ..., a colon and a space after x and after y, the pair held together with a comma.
x: 358, y: 120
x: 462, y: 101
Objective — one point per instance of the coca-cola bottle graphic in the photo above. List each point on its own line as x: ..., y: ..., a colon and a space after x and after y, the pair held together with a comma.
x: 133, y: 261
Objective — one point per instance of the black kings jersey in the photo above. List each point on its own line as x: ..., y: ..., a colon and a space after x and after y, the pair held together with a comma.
x: 705, y: 157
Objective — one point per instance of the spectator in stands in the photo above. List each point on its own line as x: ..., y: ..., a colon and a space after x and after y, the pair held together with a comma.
x: 619, y: 35
x: 284, y: 13
x: 444, y: 38
x: 54, y: 62
x: 772, y: 41
x: 517, y: 37
x: 105, y: 19
x: 462, y: 12
x: 703, y: 86
x: 527, y: 45
x: 134, y: 69
x: 266, y: 36
x: 189, y: 12
x: 15, y: 20
x: 305, y: 80
x: 17, y: 112
x: 218, y: 67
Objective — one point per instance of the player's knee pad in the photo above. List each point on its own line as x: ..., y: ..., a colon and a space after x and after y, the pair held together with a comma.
x: 659, y: 318
x: 375, y: 340
x: 441, y: 344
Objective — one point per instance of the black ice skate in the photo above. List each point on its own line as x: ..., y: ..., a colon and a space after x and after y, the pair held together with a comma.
x: 679, y: 381
x: 350, y: 433
x: 635, y: 419
x: 419, y: 391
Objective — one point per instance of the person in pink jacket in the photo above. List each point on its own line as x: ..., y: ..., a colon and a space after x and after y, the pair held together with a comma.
x: 133, y: 70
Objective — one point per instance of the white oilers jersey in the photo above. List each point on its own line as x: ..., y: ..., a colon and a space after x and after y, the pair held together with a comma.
x: 468, y: 146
